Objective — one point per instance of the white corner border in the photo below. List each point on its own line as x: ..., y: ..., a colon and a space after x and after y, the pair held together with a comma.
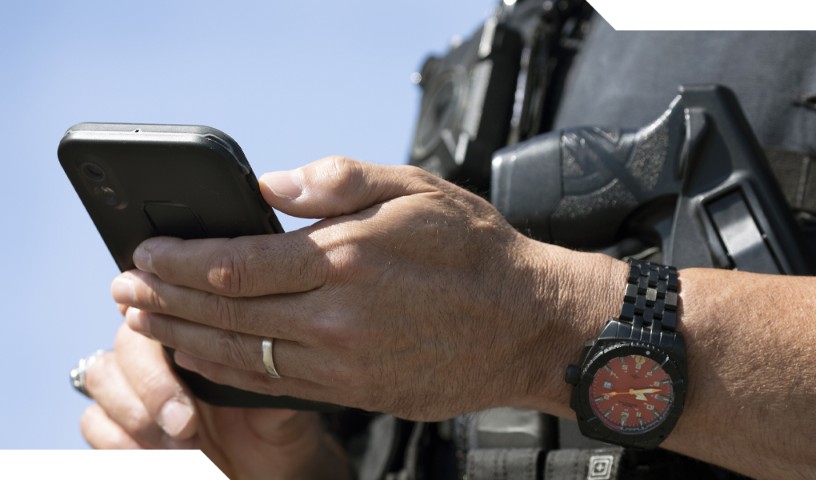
x: 707, y: 14
x: 108, y: 464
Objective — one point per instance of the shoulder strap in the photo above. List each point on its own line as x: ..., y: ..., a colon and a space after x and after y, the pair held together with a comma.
x: 504, y: 464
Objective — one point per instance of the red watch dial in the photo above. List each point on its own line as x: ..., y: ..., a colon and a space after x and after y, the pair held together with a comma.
x: 631, y: 394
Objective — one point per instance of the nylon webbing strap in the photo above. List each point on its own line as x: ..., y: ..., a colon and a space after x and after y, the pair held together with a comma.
x: 581, y: 464
x: 503, y: 464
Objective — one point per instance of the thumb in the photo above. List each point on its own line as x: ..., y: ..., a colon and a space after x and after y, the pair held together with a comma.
x: 337, y: 186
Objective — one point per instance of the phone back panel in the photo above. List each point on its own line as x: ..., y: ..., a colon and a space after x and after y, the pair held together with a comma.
x: 141, y: 181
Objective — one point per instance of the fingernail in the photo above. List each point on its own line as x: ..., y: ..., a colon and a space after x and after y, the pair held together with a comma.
x: 122, y: 289
x: 174, y: 416
x: 284, y: 184
x: 142, y: 259
x: 137, y: 321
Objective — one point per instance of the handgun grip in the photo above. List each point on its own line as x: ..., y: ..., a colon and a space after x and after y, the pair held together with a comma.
x: 695, y: 183
x: 578, y: 187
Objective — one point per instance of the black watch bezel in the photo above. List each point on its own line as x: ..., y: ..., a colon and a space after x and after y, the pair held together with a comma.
x: 599, y: 355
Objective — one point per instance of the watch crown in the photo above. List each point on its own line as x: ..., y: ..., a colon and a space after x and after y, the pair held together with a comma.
x: 573, y: 374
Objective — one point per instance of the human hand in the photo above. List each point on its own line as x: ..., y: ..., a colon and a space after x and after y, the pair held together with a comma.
x: 412, y: 297
x: 142, y: 404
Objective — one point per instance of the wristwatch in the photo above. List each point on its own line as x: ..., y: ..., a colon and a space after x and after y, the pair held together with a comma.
x: 630, y: 385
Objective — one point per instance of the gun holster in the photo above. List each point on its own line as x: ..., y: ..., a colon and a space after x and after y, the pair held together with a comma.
x: 694, y: 183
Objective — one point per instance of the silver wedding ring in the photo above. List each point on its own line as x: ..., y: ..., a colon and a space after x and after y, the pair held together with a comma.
x: 268, y: 348
x: 78, y: 373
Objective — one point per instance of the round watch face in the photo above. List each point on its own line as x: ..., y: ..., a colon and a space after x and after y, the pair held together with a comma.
x: 631, y: 394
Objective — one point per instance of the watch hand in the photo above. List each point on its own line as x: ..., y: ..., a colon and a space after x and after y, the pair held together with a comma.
x: 639, y: 394
x: 643, y: 391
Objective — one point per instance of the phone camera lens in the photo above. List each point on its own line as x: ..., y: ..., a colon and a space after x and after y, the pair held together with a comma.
x: 93, y: 171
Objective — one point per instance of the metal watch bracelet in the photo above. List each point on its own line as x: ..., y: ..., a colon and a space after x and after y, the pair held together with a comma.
x: 650, y: 299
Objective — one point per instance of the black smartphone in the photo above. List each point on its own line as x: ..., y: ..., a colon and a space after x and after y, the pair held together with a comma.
x: 140, y: 181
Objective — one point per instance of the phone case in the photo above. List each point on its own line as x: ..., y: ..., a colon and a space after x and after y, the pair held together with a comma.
x: 140, y: 181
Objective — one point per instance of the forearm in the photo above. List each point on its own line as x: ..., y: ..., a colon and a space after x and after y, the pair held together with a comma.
x: 576, y: 294
x: 750, y: 348
x: 752, y: 380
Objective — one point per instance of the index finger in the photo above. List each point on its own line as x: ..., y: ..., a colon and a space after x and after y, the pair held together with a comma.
x: 243, y: 266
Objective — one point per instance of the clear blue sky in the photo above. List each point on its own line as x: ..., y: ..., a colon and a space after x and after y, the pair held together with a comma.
x: 290, y: 81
